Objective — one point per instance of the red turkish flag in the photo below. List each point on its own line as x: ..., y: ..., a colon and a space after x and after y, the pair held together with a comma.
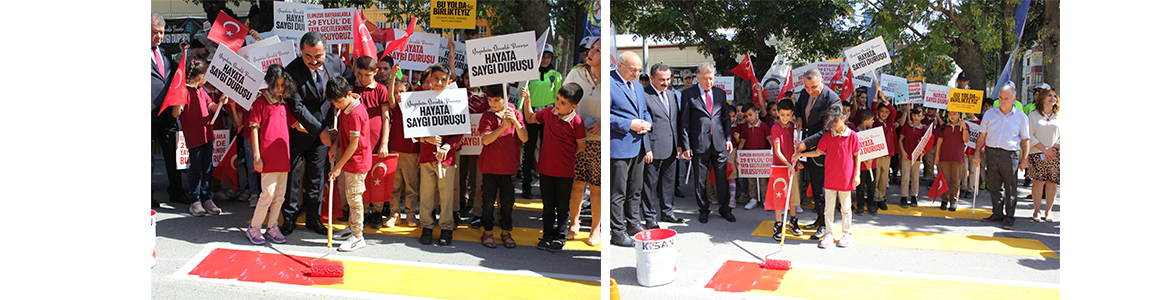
x: 778, y: 189
x: 400, y: 43
x: 848, y: 89
x: 379, y: 34
x: 939, y: 186
x: 787, y: 84
x: 832, y: 82
x: 746, y: 71
x: 177, y: 92
x: 380, y: 180
x: 229, y: 31
x: 228, y: 173
x: 363, y: 42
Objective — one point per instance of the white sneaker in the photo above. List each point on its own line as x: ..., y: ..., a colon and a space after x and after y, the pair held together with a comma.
x: 391, y: 221
x: 751, y: 204
x: 346, y: 233
x: 799, y: 210
x: 826, y: 241
x: 353, y: 243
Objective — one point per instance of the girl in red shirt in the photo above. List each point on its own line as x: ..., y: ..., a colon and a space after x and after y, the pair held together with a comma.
x: 841, y: 148
x: 195, y: 118
x: 949, y: 154
x: 269, y: 121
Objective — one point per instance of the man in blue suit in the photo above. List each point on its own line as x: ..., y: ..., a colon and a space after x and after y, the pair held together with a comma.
x: 706, y: 138
x: 628, y: 125
x: 163, y: 126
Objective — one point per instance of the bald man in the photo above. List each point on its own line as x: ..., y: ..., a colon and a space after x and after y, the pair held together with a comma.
x: 628, y: 125
x: 1003, y: 130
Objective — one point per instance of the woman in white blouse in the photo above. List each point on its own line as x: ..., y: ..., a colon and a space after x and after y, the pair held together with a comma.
x: 1045, y: 155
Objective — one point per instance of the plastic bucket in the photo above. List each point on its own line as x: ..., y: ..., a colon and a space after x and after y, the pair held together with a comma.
x: 154, y: 240
x: 657, y: 255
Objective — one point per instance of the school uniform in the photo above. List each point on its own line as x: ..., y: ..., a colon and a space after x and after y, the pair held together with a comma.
x: 497, y: 172
x: 556, y: 162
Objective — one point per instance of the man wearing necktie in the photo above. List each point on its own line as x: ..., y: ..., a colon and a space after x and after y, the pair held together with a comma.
x: 662, y: 145
x: 810, y: 106
x: 706, y: 139
x: 164, y: 126
x: 628, y: 125
x: 314, y: 114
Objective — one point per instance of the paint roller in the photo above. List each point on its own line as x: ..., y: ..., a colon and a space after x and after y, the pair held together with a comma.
x: 769, y: 263
x: 328, y: 268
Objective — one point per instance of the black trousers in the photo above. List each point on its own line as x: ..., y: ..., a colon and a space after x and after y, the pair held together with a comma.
x: 554, y: 194
x: 717, y: 160
x: 164, y: 136
x: 864, y: 193
x: 528, y: 163
x: 500, y: 187
x: 658, y: 189
x: 816, y: 176
x: 305, y: 183
x: 625, y: 204
x: 1002, y: 169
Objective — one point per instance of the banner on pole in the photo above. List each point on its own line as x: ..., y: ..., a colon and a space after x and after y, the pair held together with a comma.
x: 965, y: 101
x: 895, y: 89
x: 421, y: 51
x: 873, y: 144
x: 234, y: 76
x: 453, y: 14
x: 503, y: 58
x: 335, y: 24
x: 754, y: 163
x: 935, y: 96
x: 868, y: 56
x: 915, y: 92
x: 430, y: 113
x: 460, y: 56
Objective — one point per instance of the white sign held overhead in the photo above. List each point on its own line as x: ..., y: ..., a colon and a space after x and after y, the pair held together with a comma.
x: 234, y: 76
x: 421, y: 51
x: 935, y: 96
x: 334, y: 24
x: 289, y: 18
x: 503, y: 58
x: 868, y: 56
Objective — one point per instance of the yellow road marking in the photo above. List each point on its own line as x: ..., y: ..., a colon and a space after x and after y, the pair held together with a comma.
x: 925, y: 209
x: 810, y: 283
x: 933, y: 241
x: 454, y: 284
x: 523, y: 236
x: 529, y: 204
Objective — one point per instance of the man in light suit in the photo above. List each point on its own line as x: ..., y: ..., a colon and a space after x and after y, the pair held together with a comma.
x: 164, y: 126
x: 810, y: 105
x: 628, y: 124
x: 706, y: 138
x: 662, y: 145
x: 314, y: 114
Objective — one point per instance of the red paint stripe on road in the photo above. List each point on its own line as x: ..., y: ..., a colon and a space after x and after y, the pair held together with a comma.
x: 254, y: 266
x: 738, y: 276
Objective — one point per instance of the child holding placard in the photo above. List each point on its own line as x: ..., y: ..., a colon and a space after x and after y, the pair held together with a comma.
x: 912, y: 133
x: 564, y: 137
x: 865, y: 191
x: 503, y: 131
x: 195, y: 118
x: 436, y: 159
x: 752, y: 135
x: 949, y: 147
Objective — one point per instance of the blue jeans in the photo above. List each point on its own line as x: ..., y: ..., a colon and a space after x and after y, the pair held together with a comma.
x: 199, y: 173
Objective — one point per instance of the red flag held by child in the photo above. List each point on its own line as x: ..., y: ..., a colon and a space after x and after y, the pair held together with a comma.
x: 787, y: 84
x: 924, y: 143
x: 363, y: 42
x: 227, y: 172
x: 746, y: 71
x: 833, y: 82
x: 229, y: 31
x: 400, y: 43
x: 380, y: 180
x: 777, y: 193
x: 848, y: 89
x: 177, y: 92
x: 939, y: 186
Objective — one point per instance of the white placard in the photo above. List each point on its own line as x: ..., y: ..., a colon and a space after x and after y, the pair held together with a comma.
x: 234, y: 76
x: 280, y: 53
x: 935, y: 96
x: 827, y: 69
x: 472, y: 144
x: 867, y: 56
x: 895, y: 89
x: 503, y: 58
x: 863, y: 79
x: 914, y: 92
x: 219, y: 146
x: 421, y: 51
x: 182, y: 154
x: 727, y: 83
x: 430, y: 113
x: 754, y: 163
x: 873, y: 144
x: 974, y: 132
x: 243, y: 52
x: 334, y: 24
x: 460, y: 56
x: 289, y: 18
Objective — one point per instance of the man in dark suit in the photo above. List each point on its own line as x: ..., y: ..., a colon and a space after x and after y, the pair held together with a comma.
x: 314, y: 113
x: 164, y: 126
x: 706, y: 138
x: 662, y: 147
x: 810, y: 105
x: 628, y: 125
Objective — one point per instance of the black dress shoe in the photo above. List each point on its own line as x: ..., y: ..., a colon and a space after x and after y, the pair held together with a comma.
x: 882, y: 205
x: 445, y: 237
x: 1008, y: 224
x: 619, y: 239
x: 703, y: 217
x: 673, y: 219
x: 652, y: 225
x: 316, y: 226
x: 993, y: 219
x: 287, y: 227
x: 633, y: 228
x: 678, y: 194
x: 819, y: 234
x: 904, y: 203
x: 952, y: 207
x: 914, y: 202
x: 727, y: 215
x: 943, y: 206
x: 426, y: 237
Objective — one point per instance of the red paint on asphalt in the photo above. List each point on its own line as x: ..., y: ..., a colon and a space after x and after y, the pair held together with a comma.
x: 254, y: 266
x: 738, y: 276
